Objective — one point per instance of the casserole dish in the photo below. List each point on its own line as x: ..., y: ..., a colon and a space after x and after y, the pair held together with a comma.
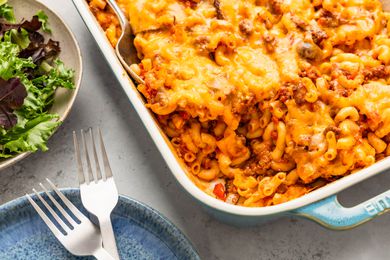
x: 320, y: 205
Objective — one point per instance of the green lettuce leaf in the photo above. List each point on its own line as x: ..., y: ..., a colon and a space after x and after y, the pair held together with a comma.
x: 43, y: 88
x: 10, y: 64
x: 7, y: 12
x: 20, y: 37
x: 56, y: 76
x: 42, y: 17
x: 22, y: 60
x: 29, y: 136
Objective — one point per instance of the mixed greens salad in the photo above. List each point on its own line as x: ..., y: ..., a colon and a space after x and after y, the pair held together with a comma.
x: 30, y: 73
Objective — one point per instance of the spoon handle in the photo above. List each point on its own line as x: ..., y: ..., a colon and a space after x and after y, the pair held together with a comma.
x: 121, y: 16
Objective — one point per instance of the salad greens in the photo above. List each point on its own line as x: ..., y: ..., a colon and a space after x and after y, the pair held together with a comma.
x: 42, y: 17
x: 6, y: 11
x: 30, y: 73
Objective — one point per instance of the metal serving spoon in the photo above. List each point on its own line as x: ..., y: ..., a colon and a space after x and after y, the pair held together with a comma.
x: 125, y: 49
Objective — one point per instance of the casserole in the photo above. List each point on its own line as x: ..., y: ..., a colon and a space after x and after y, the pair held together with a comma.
x: 165, y: 148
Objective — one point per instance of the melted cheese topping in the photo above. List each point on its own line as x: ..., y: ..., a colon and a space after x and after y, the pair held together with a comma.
x: 264, y: 100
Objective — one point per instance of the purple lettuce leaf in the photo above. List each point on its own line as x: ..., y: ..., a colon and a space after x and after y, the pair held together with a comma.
x: 30, y: 26
x: 12, y: 95
x: 40, y: 51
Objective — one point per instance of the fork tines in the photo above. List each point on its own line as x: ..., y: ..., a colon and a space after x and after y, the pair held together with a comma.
x: 63, y: 219
x: 88, y: 143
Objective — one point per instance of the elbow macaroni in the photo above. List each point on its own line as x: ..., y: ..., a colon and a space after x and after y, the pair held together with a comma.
x: 272, y: 99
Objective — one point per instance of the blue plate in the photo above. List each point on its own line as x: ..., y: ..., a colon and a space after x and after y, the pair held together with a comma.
x: 141, y: 233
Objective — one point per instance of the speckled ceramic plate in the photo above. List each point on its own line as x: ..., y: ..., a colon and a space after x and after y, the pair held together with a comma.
x: 70, y: 55
x: 141, y: 233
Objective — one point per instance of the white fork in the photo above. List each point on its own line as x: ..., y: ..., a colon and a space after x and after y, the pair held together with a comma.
x: 99, y: 194
x: 81, y: 238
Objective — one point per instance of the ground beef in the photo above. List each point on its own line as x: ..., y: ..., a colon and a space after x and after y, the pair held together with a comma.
x: 229, y: 187
x: 376, y: 73
x: 284, y: 93
x: 246, y: 26
x: 310, y: 72
x: 217, y: 5
x: 318, y: 35
x: 241, y: 103
x: 190, y: 3
x: 332, y: 128
x: 299, y: 92
x: 299, y: 22
x: 263, y: 157
x: 327, y: 19
x: 201, y: 43
x: 270, y: 42
x: 315, y: 32
x: 277, y: 6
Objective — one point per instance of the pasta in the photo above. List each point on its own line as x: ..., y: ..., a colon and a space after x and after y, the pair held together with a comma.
x: 264, y: 101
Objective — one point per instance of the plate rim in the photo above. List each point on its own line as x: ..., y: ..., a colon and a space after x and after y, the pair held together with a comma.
x: 7, y: 162
x: 171, y: 229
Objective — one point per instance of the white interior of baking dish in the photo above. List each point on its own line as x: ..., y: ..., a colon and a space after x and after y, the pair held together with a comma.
x: 177, y: 168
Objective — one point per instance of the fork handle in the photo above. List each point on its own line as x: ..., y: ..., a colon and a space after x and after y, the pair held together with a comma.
x: 108, y: 236
x: 102, y: 254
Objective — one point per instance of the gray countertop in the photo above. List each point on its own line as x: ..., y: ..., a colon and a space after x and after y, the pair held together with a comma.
x: 142, y: 174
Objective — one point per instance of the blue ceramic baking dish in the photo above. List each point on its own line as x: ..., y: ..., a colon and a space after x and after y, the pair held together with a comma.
x: 320, y: 205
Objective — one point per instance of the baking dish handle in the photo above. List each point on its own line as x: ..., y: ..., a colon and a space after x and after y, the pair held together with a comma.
x: 331, y: 214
